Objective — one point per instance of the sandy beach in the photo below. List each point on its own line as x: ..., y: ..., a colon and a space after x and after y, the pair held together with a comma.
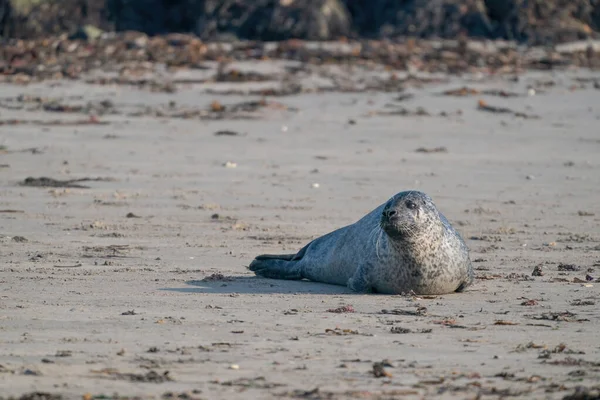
x: 126, y: 275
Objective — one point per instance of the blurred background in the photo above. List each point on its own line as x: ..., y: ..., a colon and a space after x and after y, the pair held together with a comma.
x: 536, y: 22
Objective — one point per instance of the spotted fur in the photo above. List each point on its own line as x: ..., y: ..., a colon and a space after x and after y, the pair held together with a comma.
x: 403, y: 245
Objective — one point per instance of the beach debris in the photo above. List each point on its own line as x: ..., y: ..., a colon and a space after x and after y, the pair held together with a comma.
x: 38, y: 395
x: 580, y: 303
x: 585, y: 213
x: 341, y: 332
x: 420, y: 311
x: 379, y: 371
x: 445, y: 322
x: 150, y: 376
x: 568, y: 267
x: 466, y: 91
x: 343, y: 309
x: 440, y: 149
x: 504, y: 322
x: 404, y: 97
x: 255, y: 383
x: 68, y: 266
x: 401, y: 111
x: 70, y: 183
x: 227, y: 133
x: 565, y: 316
x: 483, y: 106
x: 235, y: 75
x: 89, y: 121
x: 529, y: 302
x: 399, y: 329
x: 531, y: 345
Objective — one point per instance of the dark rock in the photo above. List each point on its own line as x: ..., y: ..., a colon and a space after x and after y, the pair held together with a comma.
x: 212, y: 19
x: 21, y: 19
x: 5, y: 16
x: 134, y: 15
x: 420, y: 18
x: 87, y: 32
x: 526, y: 21
x: 537, y: 21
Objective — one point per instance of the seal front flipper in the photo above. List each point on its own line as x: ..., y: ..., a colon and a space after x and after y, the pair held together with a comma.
x: 468, y: 281
x: 359, y: 283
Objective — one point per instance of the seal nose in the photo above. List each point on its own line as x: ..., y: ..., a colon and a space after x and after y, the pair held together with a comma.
x: 389, y: 213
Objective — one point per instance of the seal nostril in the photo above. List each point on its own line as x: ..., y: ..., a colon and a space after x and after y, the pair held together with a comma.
x: 389, y: 213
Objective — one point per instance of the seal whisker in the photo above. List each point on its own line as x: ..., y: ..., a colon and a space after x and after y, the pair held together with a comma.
x: 372, y: 234
x: 378, y: 244
x: 376, y: 231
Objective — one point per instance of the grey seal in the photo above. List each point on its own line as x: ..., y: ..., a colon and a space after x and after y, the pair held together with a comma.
x: 404, y: 245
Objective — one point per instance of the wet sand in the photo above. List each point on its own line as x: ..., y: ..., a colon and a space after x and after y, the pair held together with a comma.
x: 136, y: 283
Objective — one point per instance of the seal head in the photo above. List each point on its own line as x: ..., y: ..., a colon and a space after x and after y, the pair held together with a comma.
x: 409, y: 216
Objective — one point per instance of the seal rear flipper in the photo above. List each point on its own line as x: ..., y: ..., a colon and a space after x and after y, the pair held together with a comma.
x: 276, y: 268
x: 279, y: 266
x: 286, y: 257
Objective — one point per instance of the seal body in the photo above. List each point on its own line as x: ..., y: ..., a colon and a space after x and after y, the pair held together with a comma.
x: 404, y: 245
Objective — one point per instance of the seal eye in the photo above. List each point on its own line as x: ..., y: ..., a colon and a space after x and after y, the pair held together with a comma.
x: 410, y: 204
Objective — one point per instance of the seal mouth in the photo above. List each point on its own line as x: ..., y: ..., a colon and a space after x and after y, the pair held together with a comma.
x: 399, y: 224
x: 394, y: 228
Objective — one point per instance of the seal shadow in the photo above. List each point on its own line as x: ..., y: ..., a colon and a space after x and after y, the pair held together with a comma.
x: 257, y: 285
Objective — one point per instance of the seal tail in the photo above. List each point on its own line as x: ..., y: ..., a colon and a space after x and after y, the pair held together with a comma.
x: 276, y: 266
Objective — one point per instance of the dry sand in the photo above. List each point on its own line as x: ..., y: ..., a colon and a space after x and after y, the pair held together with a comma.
x: 93, y: 302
